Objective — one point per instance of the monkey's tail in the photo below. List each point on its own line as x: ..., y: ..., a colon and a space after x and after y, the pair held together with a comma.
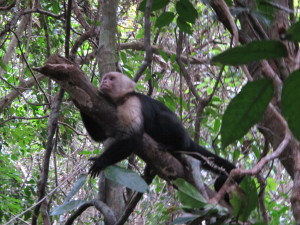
x: 211, y: 161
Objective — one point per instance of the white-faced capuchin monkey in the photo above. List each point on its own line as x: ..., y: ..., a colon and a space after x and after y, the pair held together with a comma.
x: 139, y: 114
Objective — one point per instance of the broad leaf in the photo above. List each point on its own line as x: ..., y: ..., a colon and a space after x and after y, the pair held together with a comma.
x: 186, y: 11
x: 290, y: 102
x: 67, y: 207
x: 184, y: 26
x: 254, y: 51
x: 76, y: 187
x: 2, y: 65
x: 164, y: 19
x: 266, y: 8
x: 156, y: 5
x: 244, y: 205
x: 229, y: 3
x: 188, y: 194
x: 127, y: 178
x: 245, y: 110
x: 293, y: 33
x: 184, y: 220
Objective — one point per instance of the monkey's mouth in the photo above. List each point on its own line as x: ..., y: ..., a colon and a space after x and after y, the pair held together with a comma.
x: 104, y: 86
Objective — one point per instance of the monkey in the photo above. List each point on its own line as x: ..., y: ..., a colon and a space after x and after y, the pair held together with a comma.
x: 138, y: 114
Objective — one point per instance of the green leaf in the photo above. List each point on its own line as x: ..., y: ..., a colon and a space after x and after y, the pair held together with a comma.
x: 188, y: 194
x: 229, y: 3
x: 184, y: 26
x: 156, y: 5
x: 254, y: 51
x: 67, y: 207
x: 163, y: 55
x: 76, y: 187
x: 290, y: 102
x: 266, y: 8
x: 55, y: 6
x: 245, y: 110
x: 127, y: 178
x: 140, y: 33
x: 2, y: 65
x: 245, y: 204
x: 186, y: 11
x: 293, y: 33
x: 184, y: 220
x: 123, y: 57
x: 164, y: 19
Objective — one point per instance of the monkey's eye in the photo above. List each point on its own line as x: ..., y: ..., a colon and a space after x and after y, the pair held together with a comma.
x: 111, y: 78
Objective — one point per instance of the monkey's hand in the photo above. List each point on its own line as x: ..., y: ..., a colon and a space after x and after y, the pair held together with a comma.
x: 97, y: 166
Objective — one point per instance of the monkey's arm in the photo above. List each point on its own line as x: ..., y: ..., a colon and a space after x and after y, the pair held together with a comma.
x: 94, y: 129
x: 114, y: 153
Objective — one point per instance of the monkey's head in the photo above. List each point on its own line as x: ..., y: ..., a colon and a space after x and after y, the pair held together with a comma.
x: 116, y: 85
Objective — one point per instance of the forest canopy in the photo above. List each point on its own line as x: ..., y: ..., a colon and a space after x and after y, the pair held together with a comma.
x: 228, y: 69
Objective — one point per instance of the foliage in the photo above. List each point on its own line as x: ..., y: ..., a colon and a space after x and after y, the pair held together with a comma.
x: 290, y: 103
x: 245, y: 110
x: 255, y: 50
x: 229, y: 119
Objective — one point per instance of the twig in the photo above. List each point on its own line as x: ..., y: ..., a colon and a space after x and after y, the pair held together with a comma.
x: 72, y: 128
x: 183, y: 70
x: 147, y: 42
x: 28, y: 66
x: 4, y: 8
x: 23, y: 118
x: 255, y: 170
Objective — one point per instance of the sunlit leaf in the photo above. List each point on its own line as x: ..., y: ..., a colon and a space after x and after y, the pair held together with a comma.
x: 245, y: 110
x: 290, y: 102
x: 254, y: 51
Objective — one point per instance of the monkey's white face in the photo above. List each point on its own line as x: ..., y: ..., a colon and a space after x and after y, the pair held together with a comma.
x: 116, y: 85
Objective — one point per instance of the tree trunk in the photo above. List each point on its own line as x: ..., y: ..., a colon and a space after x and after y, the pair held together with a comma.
x: 106, y: 57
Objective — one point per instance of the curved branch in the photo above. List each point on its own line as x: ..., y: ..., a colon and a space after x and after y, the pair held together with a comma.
x: 78, y: 212
x: 255, y: 170
x: 4, y: 8
x: 108, y: 214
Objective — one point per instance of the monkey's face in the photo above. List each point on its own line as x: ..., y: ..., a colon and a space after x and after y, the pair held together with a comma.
x: 116, y: 85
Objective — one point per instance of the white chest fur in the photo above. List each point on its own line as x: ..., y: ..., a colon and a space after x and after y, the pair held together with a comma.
x: 130, y: 114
